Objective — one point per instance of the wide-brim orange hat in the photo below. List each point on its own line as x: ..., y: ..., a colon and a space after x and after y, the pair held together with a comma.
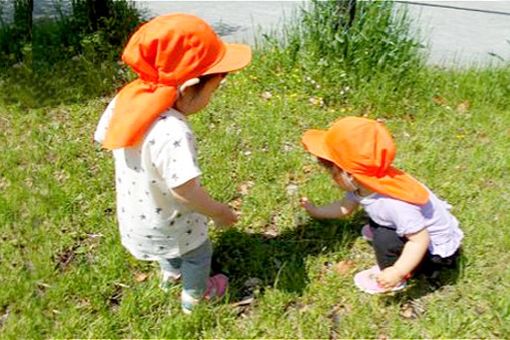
x: 365, y: 149
x: 166, y: 52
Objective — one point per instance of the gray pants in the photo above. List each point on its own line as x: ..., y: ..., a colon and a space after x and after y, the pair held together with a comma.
x: 194, y: 267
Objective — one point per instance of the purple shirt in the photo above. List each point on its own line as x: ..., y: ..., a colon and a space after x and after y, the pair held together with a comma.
x: 406, y: 218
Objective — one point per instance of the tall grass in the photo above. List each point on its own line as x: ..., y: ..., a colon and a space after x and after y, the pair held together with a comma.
x: 373, y: 62
x: 372, y: 51
x: 15, y: 34
x: 94, y: 29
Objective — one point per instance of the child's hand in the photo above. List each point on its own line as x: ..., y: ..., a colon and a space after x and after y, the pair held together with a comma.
x: 389, y: 277
x: 333, y: 210
x: 226, y: 217
x: 308, y: 206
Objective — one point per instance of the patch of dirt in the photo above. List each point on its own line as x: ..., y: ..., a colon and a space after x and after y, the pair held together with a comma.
x: 65, y: 257
x: 335, y: 315
x: 344, y: 267
x: 115, y: 298
x: 84, y: 244
x: 412, y: 309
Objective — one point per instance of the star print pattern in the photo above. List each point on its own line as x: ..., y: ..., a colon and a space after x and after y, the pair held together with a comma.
x: 151, y: 224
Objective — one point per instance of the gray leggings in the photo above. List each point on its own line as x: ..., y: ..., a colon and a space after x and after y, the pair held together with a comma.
x: 194, y: 266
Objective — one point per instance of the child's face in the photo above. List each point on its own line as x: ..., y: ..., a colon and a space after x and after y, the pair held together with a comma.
x: 197, y: 97
x: 339, y: 176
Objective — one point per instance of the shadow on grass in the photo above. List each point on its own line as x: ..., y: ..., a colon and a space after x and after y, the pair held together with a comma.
x: 279, y: 261
x: 66, y: 83
x: 409, y: 300
x: 440, y: 279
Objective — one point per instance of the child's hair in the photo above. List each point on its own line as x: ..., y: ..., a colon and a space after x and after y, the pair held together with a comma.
x: 325, y: 163
x: 203, y: 80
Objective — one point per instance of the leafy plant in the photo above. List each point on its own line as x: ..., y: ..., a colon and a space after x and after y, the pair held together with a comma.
x: 67, y: 57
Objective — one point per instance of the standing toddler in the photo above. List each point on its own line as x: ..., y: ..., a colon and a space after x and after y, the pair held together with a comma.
x: 162, y: 209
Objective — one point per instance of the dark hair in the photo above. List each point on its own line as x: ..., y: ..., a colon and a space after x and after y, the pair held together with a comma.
x: 204, y: 79
x: 325, y: 163
x: 207, y: 77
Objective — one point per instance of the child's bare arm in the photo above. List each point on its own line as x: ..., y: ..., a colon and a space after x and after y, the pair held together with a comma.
x: 334, y: 210
x: 192, y: 195
x: 412, y: 254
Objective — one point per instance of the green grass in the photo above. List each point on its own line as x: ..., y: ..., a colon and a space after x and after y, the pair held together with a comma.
x: 65, y: 274
x: 60, y: 279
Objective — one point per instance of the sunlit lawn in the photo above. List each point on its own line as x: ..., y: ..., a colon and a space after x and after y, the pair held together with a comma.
x: 65, y: 274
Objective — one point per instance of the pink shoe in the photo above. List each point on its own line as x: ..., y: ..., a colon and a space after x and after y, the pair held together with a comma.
x: 366, y: 233
x: 366, y: 282
x: 216, y: 288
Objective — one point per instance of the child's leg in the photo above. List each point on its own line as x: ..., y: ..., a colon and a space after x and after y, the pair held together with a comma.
x: 197, y: 284
x: 170, y: 272
x: 195, y: 269
x: 432, y: 264
x: 446, y: 262
x: 387, y: 245
x: 171, y: 266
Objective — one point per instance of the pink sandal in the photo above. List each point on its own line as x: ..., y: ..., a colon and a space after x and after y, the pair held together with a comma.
x: 216, y: 288
x: 366, y: 282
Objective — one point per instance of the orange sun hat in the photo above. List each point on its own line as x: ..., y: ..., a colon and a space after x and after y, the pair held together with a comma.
x: 364, y: 148
x: 166, y: 52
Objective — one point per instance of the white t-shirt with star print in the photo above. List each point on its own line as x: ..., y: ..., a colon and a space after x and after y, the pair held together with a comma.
x: 153, y: 224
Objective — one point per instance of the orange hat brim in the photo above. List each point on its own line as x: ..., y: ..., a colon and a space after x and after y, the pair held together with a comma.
x: 395, y: 183
x: 315, y: 143
x: 236, y: 57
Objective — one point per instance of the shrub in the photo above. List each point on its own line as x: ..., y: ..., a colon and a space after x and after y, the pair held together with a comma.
x: 67, y: 57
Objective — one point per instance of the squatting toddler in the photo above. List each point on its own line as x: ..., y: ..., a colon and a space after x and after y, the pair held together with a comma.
x: 411, y: 229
